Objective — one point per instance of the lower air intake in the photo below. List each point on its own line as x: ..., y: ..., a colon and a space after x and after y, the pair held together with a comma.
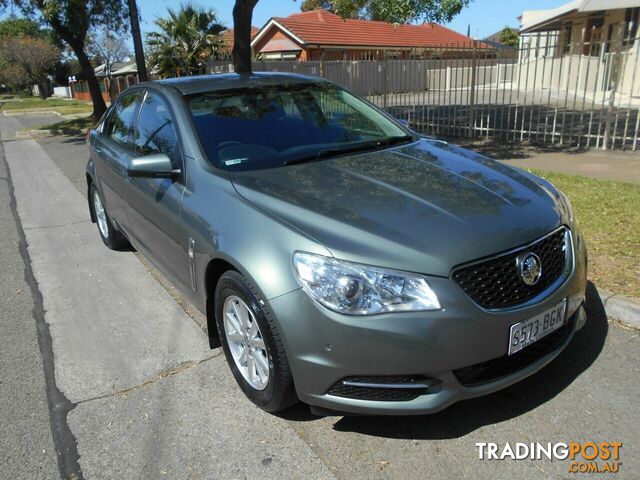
x: 381, y: 389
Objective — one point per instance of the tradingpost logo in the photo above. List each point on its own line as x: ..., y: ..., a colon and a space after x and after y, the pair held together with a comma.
x: 586, y: 457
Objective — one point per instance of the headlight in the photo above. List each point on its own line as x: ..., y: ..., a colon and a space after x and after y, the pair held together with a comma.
x: 355, y: 289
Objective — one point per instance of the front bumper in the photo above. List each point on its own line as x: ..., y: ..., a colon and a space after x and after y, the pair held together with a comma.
x: 324, y: 347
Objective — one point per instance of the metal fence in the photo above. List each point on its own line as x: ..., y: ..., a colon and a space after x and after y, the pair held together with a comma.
x: 582, y: 92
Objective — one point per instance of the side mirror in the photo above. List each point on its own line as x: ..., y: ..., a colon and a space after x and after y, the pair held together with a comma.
x: 403, y: 122
x: 157, y: 165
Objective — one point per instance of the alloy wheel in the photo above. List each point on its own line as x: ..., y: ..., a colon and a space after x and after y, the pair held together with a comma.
x: 246, y: 342
x: 101, y: 215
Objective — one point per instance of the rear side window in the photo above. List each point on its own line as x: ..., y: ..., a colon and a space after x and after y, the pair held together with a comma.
x: 120, y: 123
x: 156, y: 132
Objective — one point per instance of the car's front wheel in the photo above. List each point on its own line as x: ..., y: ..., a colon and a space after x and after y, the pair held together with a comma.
x: 111, y: 237
x: 252, y: 344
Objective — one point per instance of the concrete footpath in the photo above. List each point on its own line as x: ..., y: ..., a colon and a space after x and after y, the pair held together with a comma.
x: 617, y: 165
x: 26, y: 442
x: 605, y: 165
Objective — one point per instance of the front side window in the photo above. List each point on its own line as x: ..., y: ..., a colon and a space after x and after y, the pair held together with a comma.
x: 272, y: 126
x: 156, y: 132
x: 120, y: 123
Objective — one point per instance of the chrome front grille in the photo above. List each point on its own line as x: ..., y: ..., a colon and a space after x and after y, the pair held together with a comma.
x: 496, y: 283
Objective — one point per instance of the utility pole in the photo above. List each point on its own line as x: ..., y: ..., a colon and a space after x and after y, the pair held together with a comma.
x: 137, y: 41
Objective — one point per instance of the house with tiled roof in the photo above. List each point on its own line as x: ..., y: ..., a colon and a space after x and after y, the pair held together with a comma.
x: 319, y: 34
x: 228, y: 39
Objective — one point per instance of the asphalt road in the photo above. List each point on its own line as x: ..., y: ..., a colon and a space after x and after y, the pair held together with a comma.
x: 141, y: 395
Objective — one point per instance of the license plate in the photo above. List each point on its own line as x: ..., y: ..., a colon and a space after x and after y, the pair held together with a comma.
x: 533, y: 329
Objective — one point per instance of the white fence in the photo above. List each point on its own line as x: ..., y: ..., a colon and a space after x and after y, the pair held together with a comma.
x: 583, y: 94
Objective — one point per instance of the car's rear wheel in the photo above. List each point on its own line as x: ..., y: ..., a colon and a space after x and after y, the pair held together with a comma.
x: 252, y: 344
x: 111, y: 237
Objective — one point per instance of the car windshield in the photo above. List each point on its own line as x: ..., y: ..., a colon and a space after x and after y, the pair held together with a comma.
x: 272, y: 126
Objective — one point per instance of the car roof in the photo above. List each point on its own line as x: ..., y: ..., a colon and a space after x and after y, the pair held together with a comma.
x: 231, y: 81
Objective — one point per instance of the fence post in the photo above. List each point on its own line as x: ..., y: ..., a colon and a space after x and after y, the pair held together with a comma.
x: 385, y: 75
x: 322, y: 62
x: 615, y: 75
x: 447, y: 84
x: 472, y: 96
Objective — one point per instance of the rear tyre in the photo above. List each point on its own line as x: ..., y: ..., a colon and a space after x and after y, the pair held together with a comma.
x: 111, y: 237
x: 252, y: 344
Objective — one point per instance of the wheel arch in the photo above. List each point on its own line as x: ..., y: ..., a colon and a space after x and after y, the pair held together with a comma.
x: 92, y: 212
x: 214, y: 270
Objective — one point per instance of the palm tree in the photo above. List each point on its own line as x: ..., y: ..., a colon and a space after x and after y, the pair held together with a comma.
x: 186, y: 39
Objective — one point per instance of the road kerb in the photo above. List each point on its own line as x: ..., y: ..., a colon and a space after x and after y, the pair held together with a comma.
x: 621, y: 308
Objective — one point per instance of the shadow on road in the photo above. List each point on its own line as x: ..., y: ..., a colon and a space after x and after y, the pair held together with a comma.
x: 469, y: 415
x: 74, y: 138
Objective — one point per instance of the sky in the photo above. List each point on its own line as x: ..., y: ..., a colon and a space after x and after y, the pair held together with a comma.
x: 485, y: 16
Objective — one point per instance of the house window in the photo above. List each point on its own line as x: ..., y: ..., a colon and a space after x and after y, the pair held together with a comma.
x: 607, y: 44
x: 568, y: 27
x: 593, y: 37
x: 631, y: 17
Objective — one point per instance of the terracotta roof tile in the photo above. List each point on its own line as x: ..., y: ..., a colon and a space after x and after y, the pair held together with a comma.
x: 325, y: 28
x: 227, y: 36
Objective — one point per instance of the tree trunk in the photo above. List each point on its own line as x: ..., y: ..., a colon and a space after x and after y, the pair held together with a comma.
x: 242, y: 16
x: 42, y: 90
x: 99, y: 107
x: 137, y: 41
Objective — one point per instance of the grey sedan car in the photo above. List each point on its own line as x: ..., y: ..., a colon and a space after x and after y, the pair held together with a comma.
x: 340, y: 258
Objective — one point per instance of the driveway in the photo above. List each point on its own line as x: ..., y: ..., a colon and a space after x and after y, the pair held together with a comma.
x: 108, y: 364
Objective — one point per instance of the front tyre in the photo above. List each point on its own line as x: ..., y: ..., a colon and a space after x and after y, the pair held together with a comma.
x: 252, y: 344
x: 111, y: 237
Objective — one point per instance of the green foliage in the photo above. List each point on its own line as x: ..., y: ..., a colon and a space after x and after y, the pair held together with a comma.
x: 72, y: 19
x: 354, y: 10
x: 186, y: 39
x: 310, y: 5
x: 16, y: 26
x: 509, y: 36
x: 27, y: 60
x: 48, y: 104
x: 395, y: 11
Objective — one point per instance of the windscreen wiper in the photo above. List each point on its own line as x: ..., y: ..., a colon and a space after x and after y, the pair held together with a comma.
x: 353, y: 148
x: 391, y: 141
